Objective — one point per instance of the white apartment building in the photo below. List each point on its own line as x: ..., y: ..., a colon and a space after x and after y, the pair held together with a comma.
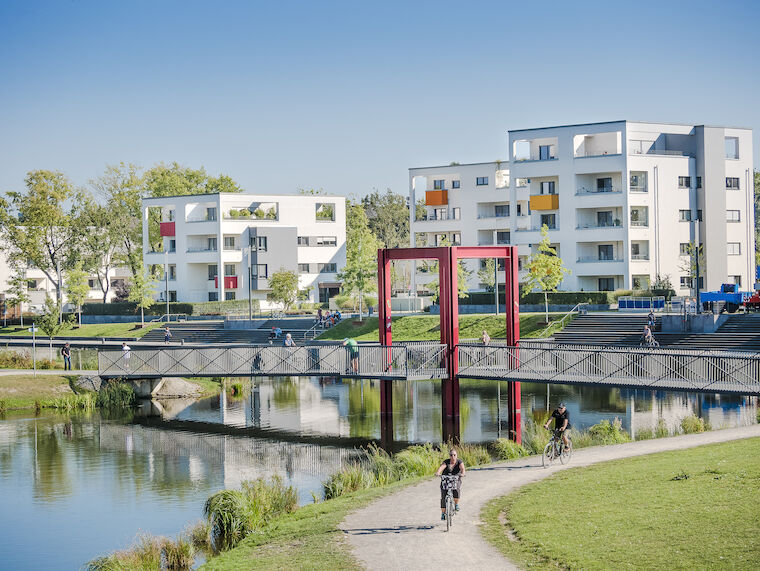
x: 245, y: 238
x: 622, y: 201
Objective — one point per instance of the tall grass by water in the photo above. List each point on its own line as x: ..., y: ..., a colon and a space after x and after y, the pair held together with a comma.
x: 116, y: 395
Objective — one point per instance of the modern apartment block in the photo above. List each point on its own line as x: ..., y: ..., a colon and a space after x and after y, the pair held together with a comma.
x: 244, y: 239
x: 622, y: 200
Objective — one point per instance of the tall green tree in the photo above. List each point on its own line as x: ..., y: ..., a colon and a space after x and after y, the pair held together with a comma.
x: 388, y: 217
x: 142, y: 292
x: 359, y: 276
x: 545, y: 269
x: 487, y: 274
x: 77, y: 287
x: 284, y: 287
x: 463, y: 276
x: 42, y: 225
x: 688, y: 263
x: 176, y: 179
x: 17, y: 294
x: 50, y: 323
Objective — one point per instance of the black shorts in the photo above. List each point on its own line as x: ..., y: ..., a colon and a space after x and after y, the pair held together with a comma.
x: 455, y: 492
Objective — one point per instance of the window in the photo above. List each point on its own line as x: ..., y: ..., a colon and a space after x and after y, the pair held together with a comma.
x: 684, y: 181
x: 325, y: 211
x: 733, y: 216
x: 456, y: 213
x: 229, y: 295
x: 31, y: 284
x: 604, y: 184
x: 606, y: 252
x: 172, y: 246
x: 635, y: 249
x: 211, y: 214
x: 454, y: 184
x: 211, y: 244
x: 519, y: 209
x: 732, y: 182
x: 639, y: 216
x: 732, y: 147
x: 547, y: 187
x: 326, y: 241
x: 641, y: 282
x: 118, y: 282
x: 259, y: 271
x: 699, y: 215
x: 684, y: 249
x: 502, y: 237
x: 440, y: 239
x: 550, y: 220
x: 439, y: 184
x: 172, y: 216
x: 261, y: 243
x: 481, y: 181
x: 684, y: 215
x: 439, y: 214
x: 699, y: 182
x: 213, y: 296
x: 502, y: 210
x: 229, y: 242
x: 172, y: 296
x: 604, y: 218
x: 172, y: 271
x: 686, y: 282
x: 734, y: 248
x: 328, y: 268
x: 213, y: 271
x: 606, y: 284
x: 303, y: 268
x: 456, y: 239
x: 91, y: 283
x: 521, y: 182
x: 638, y: 181
x: 736, y: 279
x: 303, y: 240
x: 229, y: 270
x: 544, y: 152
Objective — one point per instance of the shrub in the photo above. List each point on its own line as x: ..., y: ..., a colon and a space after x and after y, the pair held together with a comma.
x: 179, y: 555
x: 645, y: 434
x: 116, y: 395
x: 144, y: 555
x: 350, y: 479
x: 420, y: 460
x: 10, y: 359
x: 692, y: 424
x: 661, y: 430
x: 607, y: 432
x: 535, y: 436
x: 473, y: 455
x: 200, y: 537
x: 505, y: 449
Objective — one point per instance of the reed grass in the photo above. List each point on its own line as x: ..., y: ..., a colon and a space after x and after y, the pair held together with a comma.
x: 693, y: 424
x: 178, y: 555
x: 505, y: 449
x: 144, y: 555
x: 116, y: 395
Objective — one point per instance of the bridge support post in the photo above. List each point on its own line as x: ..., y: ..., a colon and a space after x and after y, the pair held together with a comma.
x: 449, y: 304
x: 512, y: 294
x: 386, y: 339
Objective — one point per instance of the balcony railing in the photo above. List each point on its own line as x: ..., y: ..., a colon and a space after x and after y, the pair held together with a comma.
x: 639, y: 256
x: 200, y: 249
x: 595, y: 190
x: 433, y: 217
x: 640, y: 223
x: 598, y: 225
x: 492, y: 215
x: 202, y: 219
x: 639, y: 189
x: 592, y: 259
x: 537, y: 228
x: 610, y: 152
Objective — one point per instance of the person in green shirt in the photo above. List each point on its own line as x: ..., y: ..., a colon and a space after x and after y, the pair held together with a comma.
x: 353, y: 353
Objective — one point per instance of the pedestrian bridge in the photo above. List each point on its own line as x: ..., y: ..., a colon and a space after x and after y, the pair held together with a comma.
x: 539, y: 362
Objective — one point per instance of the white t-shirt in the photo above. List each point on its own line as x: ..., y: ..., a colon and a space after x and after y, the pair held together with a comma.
x: 126, y: 351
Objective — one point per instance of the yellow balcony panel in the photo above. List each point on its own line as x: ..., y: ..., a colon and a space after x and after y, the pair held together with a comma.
x: 436, y: 197
x: 544, y: 202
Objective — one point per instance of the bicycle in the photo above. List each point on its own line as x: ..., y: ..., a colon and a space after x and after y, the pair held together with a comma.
x: 449, y: 483
x: 555, y: 449
x: 649, y: 344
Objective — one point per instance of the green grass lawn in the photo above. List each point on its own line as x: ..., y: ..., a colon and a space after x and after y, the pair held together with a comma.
x: 427, y: 327
x: 22, y: 391
x: 306, y: 539
x: 92, y: 330
x: 690, y: 509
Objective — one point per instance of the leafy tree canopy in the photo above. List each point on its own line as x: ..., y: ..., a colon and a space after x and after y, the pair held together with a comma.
x: 388, y: 217
x: 175, y: 179
x: 284, y: 286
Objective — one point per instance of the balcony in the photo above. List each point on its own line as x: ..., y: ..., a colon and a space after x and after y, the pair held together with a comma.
x: 230, y: 282
x: 537, y: 228
x: 196, y: 249
x: 434, y: 217
x: 641, y: 189
x: 544, y: 202
x: 639, y: 223
x: 640, y: 257
x: 592, y: 225
x: 167, y: 229
x: 592, y: 259
x: 492, y: 215
x: 594, y: 190
x: 436, y: 197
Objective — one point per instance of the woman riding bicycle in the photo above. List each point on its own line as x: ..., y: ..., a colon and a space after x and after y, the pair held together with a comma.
x: 451, y: 467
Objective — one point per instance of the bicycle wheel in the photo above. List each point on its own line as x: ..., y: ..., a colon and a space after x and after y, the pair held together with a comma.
x: 567, y: 453
x: 449, y: 510
x: 548, y: 455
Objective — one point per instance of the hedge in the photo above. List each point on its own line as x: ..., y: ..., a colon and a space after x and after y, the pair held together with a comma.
x: 130, y: 308
x: 558, y: 297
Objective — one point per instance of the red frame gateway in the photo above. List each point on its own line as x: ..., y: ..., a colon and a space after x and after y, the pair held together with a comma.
x: 447, y: 258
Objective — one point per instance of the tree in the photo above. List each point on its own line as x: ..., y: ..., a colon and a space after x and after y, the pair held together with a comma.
x: 142, y: 292
x: 77, y: 288
x: 175, y: 179
x: 284, y: 286
x: 388, y: 217
x: 757, y: 219
x: 38, y: 227
x: 487, y: 274
x: 50, y: 323
x: 360, y: 274
x: 688, y: 265
x: 17, y: 294
x: 545, y: 269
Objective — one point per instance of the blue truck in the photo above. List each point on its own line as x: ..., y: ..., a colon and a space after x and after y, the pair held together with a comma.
x: 729, y: 299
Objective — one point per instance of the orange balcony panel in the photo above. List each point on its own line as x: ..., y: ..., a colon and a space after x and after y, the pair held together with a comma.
x: 436, y: 197
x: 167, y: 229
x: 544, y: 202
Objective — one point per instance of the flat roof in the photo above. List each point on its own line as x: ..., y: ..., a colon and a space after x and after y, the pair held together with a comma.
x: 626, y: 121
x: 241, y: 194
x: 459, y: 165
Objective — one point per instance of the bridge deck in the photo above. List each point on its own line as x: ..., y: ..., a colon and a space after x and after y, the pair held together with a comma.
x: 668, y: 369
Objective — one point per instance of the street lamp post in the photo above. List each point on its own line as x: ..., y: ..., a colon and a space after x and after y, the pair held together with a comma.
x: 166, y: 282
x: 249, y: 251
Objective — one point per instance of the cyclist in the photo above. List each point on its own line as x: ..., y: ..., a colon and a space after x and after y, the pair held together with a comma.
x: 646, y: 336
x: 451, y: 467
x: 561, y: 418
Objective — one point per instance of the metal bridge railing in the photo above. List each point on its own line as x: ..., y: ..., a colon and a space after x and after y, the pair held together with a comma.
x: 373, y: 361
x: 713, y: 371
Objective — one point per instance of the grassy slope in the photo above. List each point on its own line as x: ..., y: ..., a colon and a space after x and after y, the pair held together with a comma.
x: 426, y: 327
x: 21, y: 391
x: 306, y: 539
x: 633, y: 514
x: 93, y: 330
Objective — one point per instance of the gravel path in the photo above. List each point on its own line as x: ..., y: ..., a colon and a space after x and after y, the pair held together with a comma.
x: 404, y: 530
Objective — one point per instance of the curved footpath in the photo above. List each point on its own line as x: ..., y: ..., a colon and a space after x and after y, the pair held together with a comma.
x: 404, y: 530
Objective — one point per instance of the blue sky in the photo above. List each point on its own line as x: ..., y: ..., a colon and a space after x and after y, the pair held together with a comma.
x: 346, y: 96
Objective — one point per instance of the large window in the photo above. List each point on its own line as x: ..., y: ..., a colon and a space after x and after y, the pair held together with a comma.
x: 303, y: 268
x: 550, y: 220
x: 604, y: 184
x: 686, y: 282
x: 606, y: 252
x: 213, y: 271
x: 172, y: 271
x: 545, y: 152
x: 732, y: 182
x: 229, y: 242
x: 456, y: 239
x: 325, y: 212
x: 547, y: 187
x: 606, y: 284
x: 502, y: 210
x: 230, y: 270
x: 638, y: 181
x: 684, y: 181
x: 213, y: 296
x: 639, y: 216
x: 172, y: 296
x: 259, y: 271
x: 439, y: 184
x: 261, y: 243
x: 454, y: 184
x: 502, y: 237
x: 481, y: 181
x: 733, y: 216
x: 604, y: 218
x: 172, y: 246
x: 684, y: 249
x: 732, y: 147
x: 211, y: 244
x: 326, y: 241
x: 303, y: 240
x: 211, y: 214
x: 229, y: 295
x: 456, y: 213
x: 734, y: 248
x: 328, y: 268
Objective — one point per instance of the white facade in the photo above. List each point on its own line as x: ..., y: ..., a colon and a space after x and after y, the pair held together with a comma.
x: 621, y: 199
x: 206, y: 236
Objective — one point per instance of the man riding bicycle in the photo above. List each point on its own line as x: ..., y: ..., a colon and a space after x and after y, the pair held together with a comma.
x: 561, y: 418
x: 451, y: 467
x: 646, y: 336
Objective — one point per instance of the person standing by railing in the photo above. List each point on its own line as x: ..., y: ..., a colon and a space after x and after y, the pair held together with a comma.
x: 485, y: 338
x: 353, y: 354
x: 167, y: 335
x: 66, y: 354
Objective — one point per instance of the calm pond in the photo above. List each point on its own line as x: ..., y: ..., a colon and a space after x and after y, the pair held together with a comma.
x: 77, y: 487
